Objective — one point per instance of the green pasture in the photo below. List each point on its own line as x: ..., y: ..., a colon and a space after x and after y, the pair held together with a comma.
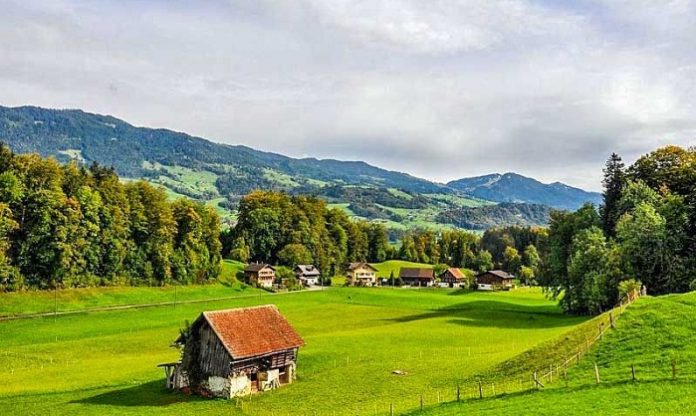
x: 105, y: 362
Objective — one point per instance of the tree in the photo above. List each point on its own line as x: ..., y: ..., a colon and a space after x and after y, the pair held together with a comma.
x: 643, y: 240
x: 526, y: 275
x: 293, y: 254
x: 511, y: 260
x: 484, y: 261
x: 531, y: 258
x: 614, y: 182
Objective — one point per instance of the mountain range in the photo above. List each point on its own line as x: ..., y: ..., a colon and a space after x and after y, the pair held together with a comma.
x: 220, y: 174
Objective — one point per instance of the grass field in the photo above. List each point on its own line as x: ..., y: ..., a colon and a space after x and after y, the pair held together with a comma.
x: 98, y: 297
x: 650, y: 335
x: 105, y: 362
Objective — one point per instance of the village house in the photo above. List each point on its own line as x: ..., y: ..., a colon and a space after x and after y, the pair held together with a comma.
x: 416, y: 276
x: 259, y: 274
x: 494, y: 280
x: 453, y: 277
x: 307, y: 274
x: 235, y: 352
x: 362, y: 274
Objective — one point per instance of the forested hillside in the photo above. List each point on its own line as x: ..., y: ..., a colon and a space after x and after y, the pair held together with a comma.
x: 69, y: 226
x: 481, y: 218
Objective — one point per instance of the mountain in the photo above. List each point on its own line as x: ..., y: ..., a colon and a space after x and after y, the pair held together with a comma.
x: 508, y: 213
x: 512, y: 187
x: 141, y: 152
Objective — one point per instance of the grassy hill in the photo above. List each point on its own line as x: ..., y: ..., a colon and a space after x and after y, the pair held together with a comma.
x: 650, y: 335
x: 105, y: 362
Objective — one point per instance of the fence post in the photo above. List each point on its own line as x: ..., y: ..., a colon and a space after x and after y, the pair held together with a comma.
x: 438, y: 396
x: 674, y: 368
x: 459, y: 393
x: 633, y: 373
x: 596, y: 371
x: 611, y: 320
x: 480, y: 390
x: 421, y: 402
x: 391, y: 409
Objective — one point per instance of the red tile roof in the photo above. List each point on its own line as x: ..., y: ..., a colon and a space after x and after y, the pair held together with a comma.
x: 248, y: 332
x: 455, y: 272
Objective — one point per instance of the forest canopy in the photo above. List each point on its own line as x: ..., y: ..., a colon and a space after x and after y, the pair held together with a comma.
x: 71, y: 226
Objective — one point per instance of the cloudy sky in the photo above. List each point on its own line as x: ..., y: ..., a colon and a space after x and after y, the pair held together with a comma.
x: 439, y: 89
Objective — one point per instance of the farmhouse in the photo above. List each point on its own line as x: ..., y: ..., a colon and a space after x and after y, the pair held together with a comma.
x: 235, y: 352
x: 260, y: 274
x: 494, y: 280
x: 361, y: 273
x: 307, y: 274
x: 453, y: 277
x: 416, y: 276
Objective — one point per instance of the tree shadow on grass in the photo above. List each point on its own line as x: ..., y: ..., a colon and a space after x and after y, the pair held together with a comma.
x: 153, y: 393
x: 497, y: 314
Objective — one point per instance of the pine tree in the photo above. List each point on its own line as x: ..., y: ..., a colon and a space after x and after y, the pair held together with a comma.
x: 614, y: 183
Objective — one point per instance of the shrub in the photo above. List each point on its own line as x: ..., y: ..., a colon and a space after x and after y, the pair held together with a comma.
x: 628, y: 286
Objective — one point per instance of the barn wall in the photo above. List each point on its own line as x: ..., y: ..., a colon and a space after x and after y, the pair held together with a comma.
x: 215, y: 361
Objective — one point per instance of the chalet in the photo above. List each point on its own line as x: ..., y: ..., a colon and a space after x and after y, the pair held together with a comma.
x: 307, y: 274
x: 494, y: 280
x: 259, y: 274
x: 235, y: 352
x: 453, y: 277
x: 362, y: 274
x: 415, y: 276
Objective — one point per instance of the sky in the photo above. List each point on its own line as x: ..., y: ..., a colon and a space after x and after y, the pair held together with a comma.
x: 437, y: 89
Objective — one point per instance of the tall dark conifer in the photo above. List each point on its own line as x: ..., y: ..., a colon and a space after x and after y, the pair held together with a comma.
x: 614, y: 182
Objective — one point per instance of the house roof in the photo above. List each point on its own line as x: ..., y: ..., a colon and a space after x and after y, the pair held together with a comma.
x: 254, y: 331
x: 455, y: 272
x: 357, y: 265
x: 255, y: 267
x: 498, y: 273
x: 307, y: 270
x: 415, y: 273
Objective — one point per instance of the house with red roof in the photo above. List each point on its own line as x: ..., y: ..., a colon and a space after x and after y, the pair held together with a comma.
x: 235, y: 352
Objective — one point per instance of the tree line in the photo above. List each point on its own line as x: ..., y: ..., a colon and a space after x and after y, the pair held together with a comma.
x: 73, y: 226
x: 278, y: 228
x: 643, y: 234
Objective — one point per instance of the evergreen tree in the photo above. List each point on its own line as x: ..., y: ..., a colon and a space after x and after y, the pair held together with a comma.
x: 614, y: 182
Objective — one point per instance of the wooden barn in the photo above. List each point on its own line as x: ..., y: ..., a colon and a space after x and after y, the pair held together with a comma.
x: 494, y: 280
x: 259, y: 274
x: 453, y: 277
x: 416, y: 276
x: 235, y: 352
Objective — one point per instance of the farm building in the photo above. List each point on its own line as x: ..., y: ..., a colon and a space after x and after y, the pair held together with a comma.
x: 453, y: 277
x: 361, y: 273
x: 494, y: 280
x: 307, y: 274
x: 416, y: 276
x: 235, y: 352
x: 260, y: 274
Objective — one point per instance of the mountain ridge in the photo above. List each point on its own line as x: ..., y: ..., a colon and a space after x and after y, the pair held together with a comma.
x: 516, y: 188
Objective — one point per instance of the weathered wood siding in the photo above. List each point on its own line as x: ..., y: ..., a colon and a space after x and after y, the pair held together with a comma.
x: 215, y: 360
x: 256, y: 364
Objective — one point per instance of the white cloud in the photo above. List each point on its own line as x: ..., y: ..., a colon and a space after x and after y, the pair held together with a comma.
x: 440, y: 89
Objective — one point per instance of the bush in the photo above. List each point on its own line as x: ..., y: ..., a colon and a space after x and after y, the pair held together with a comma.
x: 628, y: 286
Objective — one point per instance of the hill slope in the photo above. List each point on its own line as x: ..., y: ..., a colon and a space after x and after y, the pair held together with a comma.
x: 512, y: 187
x: 650, y: 334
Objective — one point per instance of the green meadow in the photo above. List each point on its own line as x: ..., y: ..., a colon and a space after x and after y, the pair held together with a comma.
x: 105, y: 362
